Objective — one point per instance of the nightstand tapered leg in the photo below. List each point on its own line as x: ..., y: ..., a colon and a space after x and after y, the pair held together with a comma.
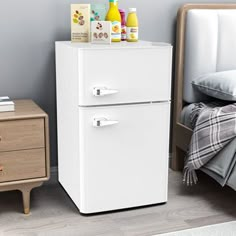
x: 26, y: 200
x: 26, y: 190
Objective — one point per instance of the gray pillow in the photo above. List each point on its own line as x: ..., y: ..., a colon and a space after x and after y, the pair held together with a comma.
x: 221, y: 85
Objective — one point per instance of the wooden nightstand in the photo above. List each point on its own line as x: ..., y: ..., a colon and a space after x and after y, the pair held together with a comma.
x: 24, y: 149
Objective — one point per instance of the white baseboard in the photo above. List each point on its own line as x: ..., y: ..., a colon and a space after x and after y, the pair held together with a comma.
x: 54, y: 170
x: 53, y: 174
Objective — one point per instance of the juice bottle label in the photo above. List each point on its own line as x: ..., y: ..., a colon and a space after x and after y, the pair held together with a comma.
x: 132, y: 33
x: 123, y: 32
x: 116, y: 30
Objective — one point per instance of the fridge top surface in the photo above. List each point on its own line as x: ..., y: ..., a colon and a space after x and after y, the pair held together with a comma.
x: 139, y: 44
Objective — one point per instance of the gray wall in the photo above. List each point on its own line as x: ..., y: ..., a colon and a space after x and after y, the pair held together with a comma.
x: 28, y: 29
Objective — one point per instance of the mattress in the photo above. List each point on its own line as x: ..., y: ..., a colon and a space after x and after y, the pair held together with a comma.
x: 185, y: 115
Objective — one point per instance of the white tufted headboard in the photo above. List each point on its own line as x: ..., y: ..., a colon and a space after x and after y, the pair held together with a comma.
x: 210, y: 46
x: 205, y: 43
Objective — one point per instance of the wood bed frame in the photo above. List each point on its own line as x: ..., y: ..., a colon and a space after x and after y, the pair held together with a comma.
x: 181, y: 133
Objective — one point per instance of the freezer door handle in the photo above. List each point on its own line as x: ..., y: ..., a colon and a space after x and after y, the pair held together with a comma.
x: 99, y: 92
x: 101, y: 122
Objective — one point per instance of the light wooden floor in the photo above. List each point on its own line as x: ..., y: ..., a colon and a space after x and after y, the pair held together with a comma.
x: 53, y: 213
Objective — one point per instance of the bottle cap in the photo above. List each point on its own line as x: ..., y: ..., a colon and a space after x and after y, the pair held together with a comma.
x: 122, y: 10
x: 132, y: 9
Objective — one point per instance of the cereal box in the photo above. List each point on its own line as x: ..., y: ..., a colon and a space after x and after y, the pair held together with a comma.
x: 80, y: 22
x: 98, y: 12
x: 101, y: 32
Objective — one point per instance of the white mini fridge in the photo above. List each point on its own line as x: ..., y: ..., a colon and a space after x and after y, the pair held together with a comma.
x: 113, y: 114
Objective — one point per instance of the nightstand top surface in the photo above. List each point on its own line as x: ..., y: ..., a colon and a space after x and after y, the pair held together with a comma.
x: 121, y: 45
x: 24, y: 109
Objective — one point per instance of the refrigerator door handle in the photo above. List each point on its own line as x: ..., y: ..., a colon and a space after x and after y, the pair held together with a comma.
x: 99, y: 92
x: 101, y: 122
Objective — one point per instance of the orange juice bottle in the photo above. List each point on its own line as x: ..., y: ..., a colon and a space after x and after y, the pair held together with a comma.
x: 132, y: 26
x: 113, y: 15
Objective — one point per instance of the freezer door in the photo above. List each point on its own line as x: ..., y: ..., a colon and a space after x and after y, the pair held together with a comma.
x: 128, y: 75
x: 123, y: 156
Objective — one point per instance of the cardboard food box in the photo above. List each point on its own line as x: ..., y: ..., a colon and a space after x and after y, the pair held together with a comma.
x: 98, y: 12
x: 101, y: 32
x: 80, y: 22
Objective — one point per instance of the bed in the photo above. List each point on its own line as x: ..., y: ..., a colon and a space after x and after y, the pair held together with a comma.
x: 206, y: 36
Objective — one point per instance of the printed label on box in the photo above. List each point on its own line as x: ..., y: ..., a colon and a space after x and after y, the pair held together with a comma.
x: 101, y: 32
x: 80, y: 22
x: 98, y: 12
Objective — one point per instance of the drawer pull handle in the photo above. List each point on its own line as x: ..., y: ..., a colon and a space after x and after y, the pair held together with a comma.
x: 100, y: 92
x: 1, y: 168
x: 101, y: 122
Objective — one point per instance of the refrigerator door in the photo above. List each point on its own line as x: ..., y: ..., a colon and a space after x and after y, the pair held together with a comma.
x: 123, y: 156
x: 124, y: 75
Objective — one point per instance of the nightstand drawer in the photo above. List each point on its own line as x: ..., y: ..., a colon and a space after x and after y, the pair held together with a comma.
x: 21, y: 165
x: 21, y: 134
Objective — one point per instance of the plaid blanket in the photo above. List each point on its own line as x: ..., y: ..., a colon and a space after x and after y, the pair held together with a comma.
x: 214, y: 126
